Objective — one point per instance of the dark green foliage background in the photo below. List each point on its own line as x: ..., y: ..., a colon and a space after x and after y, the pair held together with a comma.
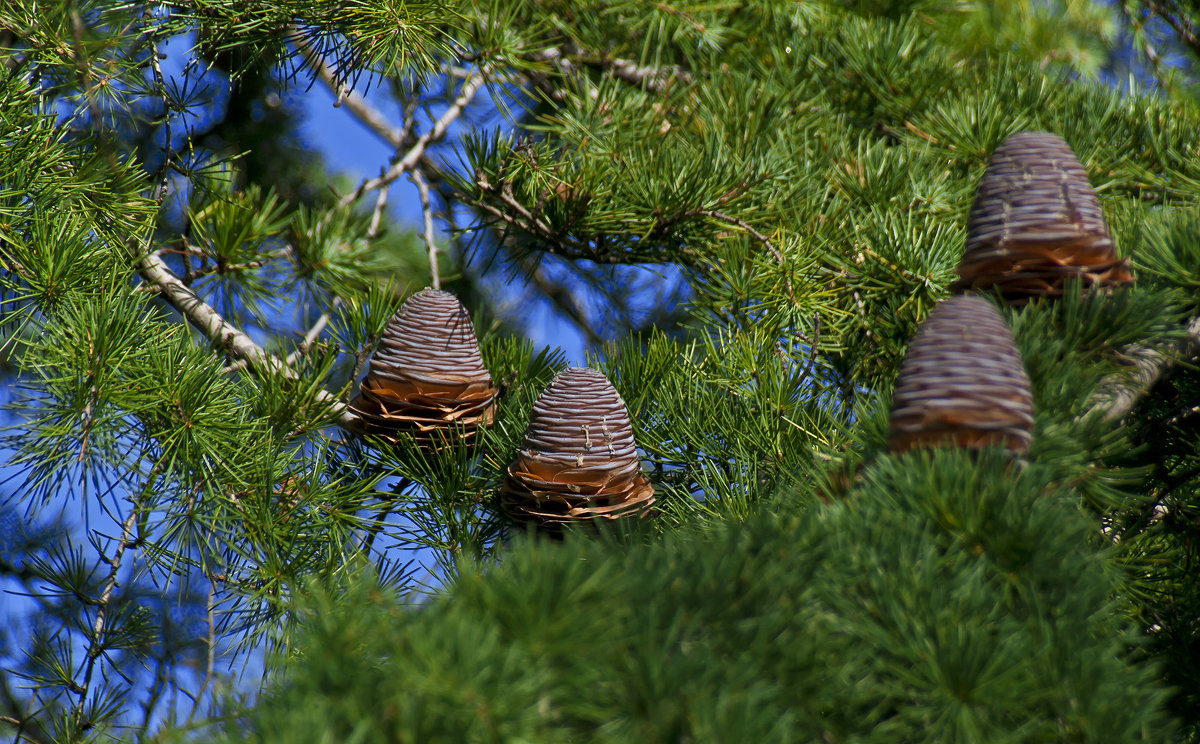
x: 951, y: 598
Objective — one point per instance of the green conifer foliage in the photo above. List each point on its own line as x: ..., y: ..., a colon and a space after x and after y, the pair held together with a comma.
x: 184, y: 329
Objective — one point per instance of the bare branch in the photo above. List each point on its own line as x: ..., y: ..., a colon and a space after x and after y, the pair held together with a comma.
x: 655, y: 79
x: 220, y: 331
x: 361, y: 108
x: 418, y: 178
x: 377, y: 213
x: 406, y: 163
x: 96, y: 647
x: 1149, y: 367
x: 313, y: 333
x: 164, y: 172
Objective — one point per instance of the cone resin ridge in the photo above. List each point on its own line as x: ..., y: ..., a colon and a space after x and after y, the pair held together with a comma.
x: 427, y: 374
x: 1035, y: 223
x: 962, y: 383
x: 578, y: 462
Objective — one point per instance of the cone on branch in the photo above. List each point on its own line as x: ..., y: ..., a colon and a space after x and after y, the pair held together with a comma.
x: 1035, y: 224
x: 427, y: 377
x: 962, y: 383
x: 578, y: 461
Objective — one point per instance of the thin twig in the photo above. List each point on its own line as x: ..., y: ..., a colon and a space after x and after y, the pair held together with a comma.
x: 742, y: 224
x: 1184, y: 29
x: 20, y: 731
x: 403, y: 165
x: 377, y: 213
x: 655, y: 79
x: 366, y: 113
x: 381, y: 518
x: 812, y: 346
x: 83, y: 68
x: 314, y: 332
x: 222, y: 268
x: 714, y: 214
x: 159, y: 686
x: 211, y: 641
x: 21, y: 719
x: 564, y: 246
x: 418, y: 178
x: 95, y: 648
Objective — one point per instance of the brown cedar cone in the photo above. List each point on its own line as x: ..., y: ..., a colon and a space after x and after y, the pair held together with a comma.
x: 578, y: 462
x: 962, y: 383
x: 427, y: 375
x: 1036, y: 223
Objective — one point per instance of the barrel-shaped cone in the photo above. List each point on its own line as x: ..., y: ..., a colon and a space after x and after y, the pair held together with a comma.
x: 427, y: 375
x: 1036, y: 223
x: 962, y: 382
x: 578, y: 462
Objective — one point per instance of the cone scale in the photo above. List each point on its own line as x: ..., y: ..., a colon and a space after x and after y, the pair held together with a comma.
x: 578, y: 461
x: 427, y: 375
x: 1035, y: 224
x: 962, y: 383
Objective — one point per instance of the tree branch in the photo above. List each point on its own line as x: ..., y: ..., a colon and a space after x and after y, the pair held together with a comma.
x: 655, y: 79
x: 313, y: 333
x: 221, y: 332
x: 418, y: 179
x: 28, y: 727
x: 410, y: 159
x: 211, y: 650
x: 358, y: 105
x: 95, y: 648
x: 1186, y: 31
x: 1149, y: 367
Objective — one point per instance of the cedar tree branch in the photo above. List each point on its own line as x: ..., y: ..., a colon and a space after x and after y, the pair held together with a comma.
x: 358, y: 105
x: 405, y: 164
x: 418, y: 178
x: 1149, y: 367
x: 220, y: 331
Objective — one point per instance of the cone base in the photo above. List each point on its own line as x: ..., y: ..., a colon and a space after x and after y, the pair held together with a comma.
x: 430, y: 423
x: 1014, y: 440
x: 546, y: 507
x: 1023, y: 271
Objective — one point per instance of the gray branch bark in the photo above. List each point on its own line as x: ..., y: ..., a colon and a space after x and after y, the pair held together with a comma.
x: 223, y: 333
x: 1149, y: 367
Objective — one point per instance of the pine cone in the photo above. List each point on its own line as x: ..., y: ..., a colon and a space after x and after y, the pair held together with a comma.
x: 578, y: 462
x: 427, y: 375
x: 1035, y: 223
x: 962, y: 382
